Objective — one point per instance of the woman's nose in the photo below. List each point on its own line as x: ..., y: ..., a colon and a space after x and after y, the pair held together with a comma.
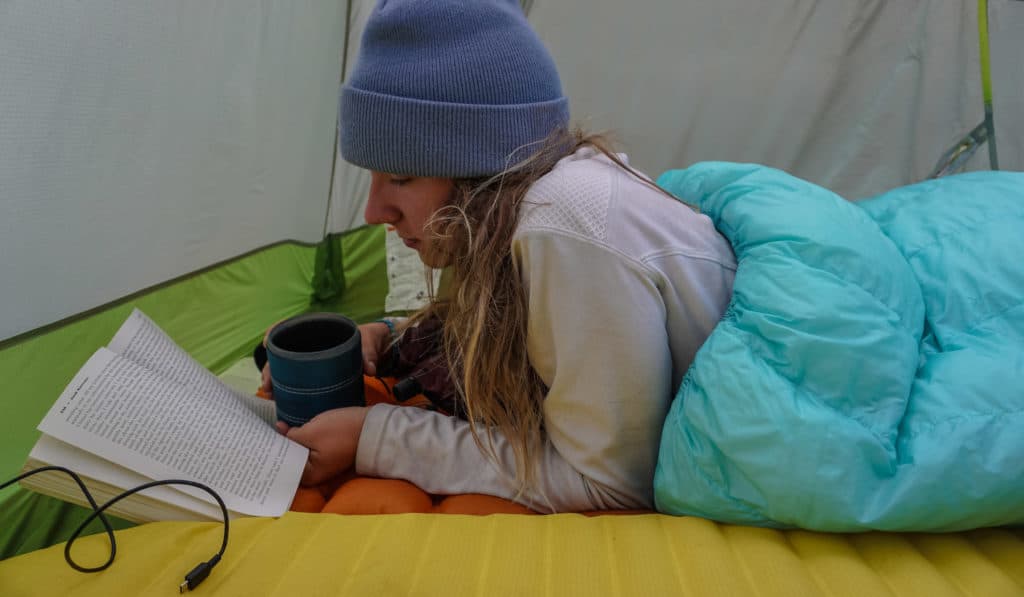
x: 378, y: 210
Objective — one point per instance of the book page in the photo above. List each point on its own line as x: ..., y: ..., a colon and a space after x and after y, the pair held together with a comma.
x: 52, y: 451
x: 133, y: 417
x: 142, y: 341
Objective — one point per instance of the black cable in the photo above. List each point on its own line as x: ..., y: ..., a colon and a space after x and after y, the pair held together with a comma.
x: 192, y: 579
x: 92, y: 504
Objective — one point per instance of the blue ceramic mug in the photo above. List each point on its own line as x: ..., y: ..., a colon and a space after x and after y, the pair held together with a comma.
x: 316, y: 364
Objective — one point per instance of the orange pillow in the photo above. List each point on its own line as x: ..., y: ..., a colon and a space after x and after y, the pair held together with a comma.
x: 352, y: 494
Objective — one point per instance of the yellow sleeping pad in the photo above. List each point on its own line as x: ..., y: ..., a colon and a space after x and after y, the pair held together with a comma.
x: 431, y: 554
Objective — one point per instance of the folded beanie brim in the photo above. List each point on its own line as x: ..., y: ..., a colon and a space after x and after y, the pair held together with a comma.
x: 417, y: 137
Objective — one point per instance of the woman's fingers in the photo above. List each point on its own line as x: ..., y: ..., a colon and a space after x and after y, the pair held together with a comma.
x: 375, y: 336
x: 332, y: 438
x: 266, y: 386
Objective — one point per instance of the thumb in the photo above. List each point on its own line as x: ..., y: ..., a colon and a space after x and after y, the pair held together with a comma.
x: 370, y: 368
x: 299, y: 435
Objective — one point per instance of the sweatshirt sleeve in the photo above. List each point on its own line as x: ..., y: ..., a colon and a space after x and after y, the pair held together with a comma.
x: 597, y: 339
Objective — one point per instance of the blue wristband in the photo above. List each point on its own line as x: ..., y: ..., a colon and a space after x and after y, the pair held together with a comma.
x: 391, y: 325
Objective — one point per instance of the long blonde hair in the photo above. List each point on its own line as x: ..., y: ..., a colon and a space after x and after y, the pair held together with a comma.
x: 482, y: 303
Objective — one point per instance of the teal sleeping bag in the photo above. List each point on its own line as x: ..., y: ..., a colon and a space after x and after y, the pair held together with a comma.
x: 869, y: 370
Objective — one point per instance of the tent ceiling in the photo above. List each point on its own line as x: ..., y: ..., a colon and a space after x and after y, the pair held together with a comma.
x: 858, y: 96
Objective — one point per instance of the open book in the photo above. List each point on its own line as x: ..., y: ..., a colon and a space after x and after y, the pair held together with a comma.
x: 142, y: 409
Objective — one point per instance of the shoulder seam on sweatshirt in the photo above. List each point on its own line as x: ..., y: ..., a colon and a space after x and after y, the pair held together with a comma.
x: 695, y: 255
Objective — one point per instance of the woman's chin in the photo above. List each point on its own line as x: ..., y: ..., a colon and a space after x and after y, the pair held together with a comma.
x: 433, y: 258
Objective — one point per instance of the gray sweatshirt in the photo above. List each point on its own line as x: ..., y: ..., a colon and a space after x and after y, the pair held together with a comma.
x: 624, y: 286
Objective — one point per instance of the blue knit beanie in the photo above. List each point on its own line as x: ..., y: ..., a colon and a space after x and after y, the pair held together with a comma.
x: 449, y: 88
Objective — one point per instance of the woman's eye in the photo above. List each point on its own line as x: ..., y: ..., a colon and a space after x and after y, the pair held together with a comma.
x: 400, y: 181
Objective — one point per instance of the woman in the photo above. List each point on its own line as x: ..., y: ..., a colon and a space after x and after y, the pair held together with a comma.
x: 577, y: 292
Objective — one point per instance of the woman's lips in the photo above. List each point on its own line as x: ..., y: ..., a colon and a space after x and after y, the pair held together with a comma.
x: 411, y: 243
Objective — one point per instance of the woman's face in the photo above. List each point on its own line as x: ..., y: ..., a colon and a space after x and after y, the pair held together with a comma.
x: 406, y: 203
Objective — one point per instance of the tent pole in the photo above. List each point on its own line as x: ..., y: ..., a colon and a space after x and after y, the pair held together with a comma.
x: 986, y: 82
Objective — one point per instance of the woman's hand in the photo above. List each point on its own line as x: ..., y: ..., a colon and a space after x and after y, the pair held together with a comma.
x: 332, y: 438
x: 376, y: 339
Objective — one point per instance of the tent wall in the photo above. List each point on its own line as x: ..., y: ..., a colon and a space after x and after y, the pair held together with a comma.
x: 144, y: 140
x: 1006, y: 22
x: 858, y: 96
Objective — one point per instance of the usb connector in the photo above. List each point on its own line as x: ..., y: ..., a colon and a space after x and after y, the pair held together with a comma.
x: 198, y: 575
